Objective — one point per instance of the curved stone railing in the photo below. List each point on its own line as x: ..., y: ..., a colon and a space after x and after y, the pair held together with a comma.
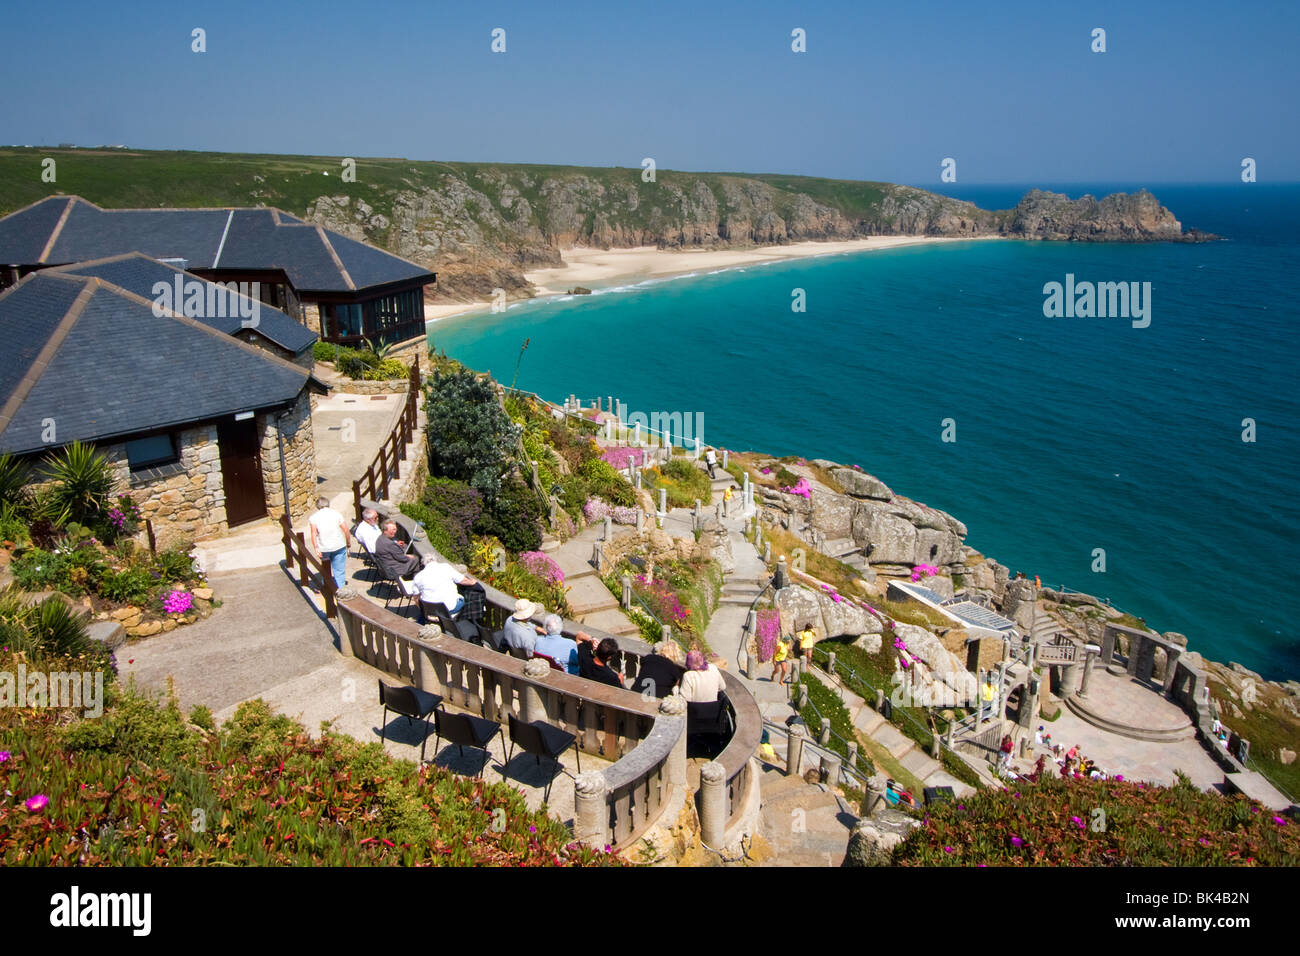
x: 647, y: 741
x: 635, y: 784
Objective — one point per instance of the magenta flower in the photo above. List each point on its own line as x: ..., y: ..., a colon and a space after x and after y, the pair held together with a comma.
x: 1279, y: 821
x: 1119, y: 778
x: 37, y: 803
x: 177, y: 602
x: 1016, y: 841
x: 948, y: 849
x: 1077, y: 822
x: 5, y: 756
x: 532, y: 829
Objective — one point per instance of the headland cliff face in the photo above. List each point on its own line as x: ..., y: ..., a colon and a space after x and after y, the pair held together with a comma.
x: 480, y: 227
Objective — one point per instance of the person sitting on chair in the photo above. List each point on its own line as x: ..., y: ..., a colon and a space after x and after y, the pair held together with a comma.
x: 520, y: 632
x: 437, y: 583
x: 563, y: 650
x: 594, y: 660
x: 391, y: 556
x: 702, y: 682
x: 367, y: 531
x: 661, y: 670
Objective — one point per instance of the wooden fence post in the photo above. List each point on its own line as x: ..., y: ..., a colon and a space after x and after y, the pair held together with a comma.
x: 303, y: 577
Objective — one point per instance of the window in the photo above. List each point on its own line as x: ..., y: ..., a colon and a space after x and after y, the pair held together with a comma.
x: 154, y: 450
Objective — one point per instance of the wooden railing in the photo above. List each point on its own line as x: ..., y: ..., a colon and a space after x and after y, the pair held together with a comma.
x: 608, y: 721
x: 386, y: 466
x: 297, y: 552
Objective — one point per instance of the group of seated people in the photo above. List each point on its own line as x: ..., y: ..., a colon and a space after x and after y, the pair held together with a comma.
x: 665, y: 671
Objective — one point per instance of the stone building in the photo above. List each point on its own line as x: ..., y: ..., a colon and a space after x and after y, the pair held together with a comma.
x: 206, y: 417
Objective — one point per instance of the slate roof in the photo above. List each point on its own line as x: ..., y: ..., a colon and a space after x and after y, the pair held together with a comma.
x: 66, y: 229
x: 93, y: 357
x: 138, y: 273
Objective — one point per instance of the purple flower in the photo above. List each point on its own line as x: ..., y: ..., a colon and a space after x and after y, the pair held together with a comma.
x: 177, y: 602
x: 948, y: 849
x: 1119, y: 777
x: 5, y: 756
x: 37, y: 803
x: 532, y: 829
x: 1016, y: 841
x: 1279, y: 821
x: 1077, y: 822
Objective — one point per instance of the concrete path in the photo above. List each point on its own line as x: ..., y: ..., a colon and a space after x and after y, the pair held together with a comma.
x: 590, y: 602
x: 268, y: 640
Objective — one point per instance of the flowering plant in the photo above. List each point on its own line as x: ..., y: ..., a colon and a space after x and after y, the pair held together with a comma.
x: 801, y: 488
x: 542, y: 565
x: 835, y: 595
x: 596, y: 509
x: 768, y: 631
x: 621, y: 457
x: 905, y: 657
x: 177, y: 602
x: 924, y: 570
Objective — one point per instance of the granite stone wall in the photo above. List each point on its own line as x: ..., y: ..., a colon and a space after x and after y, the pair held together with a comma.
x: 185, y: 500
x: 300, y: 458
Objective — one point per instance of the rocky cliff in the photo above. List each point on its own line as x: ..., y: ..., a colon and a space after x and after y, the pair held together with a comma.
x: 480, y: 227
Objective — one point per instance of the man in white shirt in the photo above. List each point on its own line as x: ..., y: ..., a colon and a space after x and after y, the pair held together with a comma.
x: 437, y: 583
x: 368, y: 530
x: 330, y: 538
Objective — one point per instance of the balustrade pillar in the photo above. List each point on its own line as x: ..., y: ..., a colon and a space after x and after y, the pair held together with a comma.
x: 853, y: 755
x: 824, y: 737
x: 803, y: 696
x: 873, y: 798
x: 713, y: 805
x: 591, y: 811
x: 531, y: 704
x: 675, y: 768
x: 794, y: 749
x: 830, y: 769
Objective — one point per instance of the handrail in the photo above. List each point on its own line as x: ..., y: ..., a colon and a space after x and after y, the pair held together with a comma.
x: 609, y: 721
x: 751, y: 616
x: 745, y: 738
x: 297, y: 552
x: 386, y: 465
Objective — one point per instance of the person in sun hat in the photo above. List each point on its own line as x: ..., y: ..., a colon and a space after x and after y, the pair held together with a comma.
x: 520, y: 632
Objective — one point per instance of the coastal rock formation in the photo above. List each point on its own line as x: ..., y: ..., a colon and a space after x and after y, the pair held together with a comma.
x: 481, y: 226
x: 800, y: 605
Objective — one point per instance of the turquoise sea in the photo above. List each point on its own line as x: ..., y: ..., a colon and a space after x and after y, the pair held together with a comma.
x: 1073, y: 434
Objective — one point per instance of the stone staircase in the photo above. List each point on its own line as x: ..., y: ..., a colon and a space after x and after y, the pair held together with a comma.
x: 803, y: 824
x: 742, y: 590
x: 846, y: 551
x: 590, y: 602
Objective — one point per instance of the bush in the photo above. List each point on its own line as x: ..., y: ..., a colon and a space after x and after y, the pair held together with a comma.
x: 470, y: 436
x: 1055, y: 823
x: 515, y: 517
x: 175, y: 564
x: 83, y: 480
x: 683, y: 482
x: 131, y: 585
x: 14, y: 475
x: 608, y: 483
x: 458, y: 504
x: 439, y: 532
x: 386, y: 370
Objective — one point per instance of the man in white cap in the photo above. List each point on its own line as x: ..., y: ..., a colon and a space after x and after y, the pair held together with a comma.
x: 520, y: 632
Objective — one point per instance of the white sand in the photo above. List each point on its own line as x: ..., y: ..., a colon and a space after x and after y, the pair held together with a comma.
x: 596, y: 267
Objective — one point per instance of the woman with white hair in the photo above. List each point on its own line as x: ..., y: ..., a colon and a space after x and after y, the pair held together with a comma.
x: 553, y: 644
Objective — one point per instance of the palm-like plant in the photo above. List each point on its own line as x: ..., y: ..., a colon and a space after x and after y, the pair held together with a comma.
x: 83, y: 481
x: 14, y: 475
x: 379, y: 351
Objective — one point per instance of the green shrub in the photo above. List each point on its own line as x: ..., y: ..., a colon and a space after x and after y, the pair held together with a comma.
x: 604, y: 480
x: 386, y: 370
x: 438, y: 531
x: 514, y: 517
x: 175, y: 564
x: 682, y: 480
x: 131, y: 585
x: 470, y: 437
x: 14, y: 475
x: 327, y: 351
x: 83, y: 481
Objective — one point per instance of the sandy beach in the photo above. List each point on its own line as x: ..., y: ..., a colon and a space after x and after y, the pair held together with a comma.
x: 600, y: 267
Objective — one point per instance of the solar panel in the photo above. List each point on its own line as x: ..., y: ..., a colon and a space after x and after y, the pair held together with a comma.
x: 980, y: 616
x: 925, y: 593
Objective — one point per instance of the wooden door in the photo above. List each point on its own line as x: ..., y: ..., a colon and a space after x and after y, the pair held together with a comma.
x: 241, y: 471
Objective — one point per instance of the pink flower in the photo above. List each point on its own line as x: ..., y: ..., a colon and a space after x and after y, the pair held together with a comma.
x: 1279, y: 821
x: 1077, y: 822
x: 37, y: 803
x: 948, y: 849
x: 1119, y: 778
x: 5, y: 756
x: 1016, y: 841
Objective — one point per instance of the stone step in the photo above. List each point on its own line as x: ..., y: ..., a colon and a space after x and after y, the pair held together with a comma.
x: 919, y: 764
x: 942, y: 778
x: 868, y: 721
x: 893, y: 740
x: 588, y: 595
x: 613, y: 621
x: 806, y: 797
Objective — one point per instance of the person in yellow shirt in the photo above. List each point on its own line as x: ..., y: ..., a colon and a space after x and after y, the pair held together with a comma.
x: 805, y: 642
x: 779, y: 659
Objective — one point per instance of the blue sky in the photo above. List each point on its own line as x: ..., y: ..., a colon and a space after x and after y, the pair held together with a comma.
x: 885, y: 91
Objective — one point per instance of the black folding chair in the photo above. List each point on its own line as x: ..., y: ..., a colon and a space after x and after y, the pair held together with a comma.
x: 466, y: 730
x: 708, y: 727
x: 496, y: 640
x: 465, y: 630
x: 412, y: 703
x: 542, y: 740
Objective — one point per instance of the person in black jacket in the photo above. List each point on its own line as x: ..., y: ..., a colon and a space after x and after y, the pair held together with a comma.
x: 594, y: 659
x: 660, y: 671
x: 391, y: 556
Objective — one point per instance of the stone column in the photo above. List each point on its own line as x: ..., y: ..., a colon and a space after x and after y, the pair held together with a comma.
x: 873, y: 800
x: 531, y: 705
x: 665, y: 632
x: 724, y: 459
x: 1172, y: 654
x: 1135, y: 648
x: 607, y: 533
x: 830, y: 769
x: 1147, y: 661
x: 713, y: 805
x: 1088, y: 663
x: 853, y: 754
x: 824, y: 737
x: 1071, y: 678
x: 591, y: 813
x: 626, y: 598
x: 803, y: 696
x: 794, y: 749
x: 1107, y: 645
x: 782, y: 579
x: 1028, y: 703
x: 675, y: 706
